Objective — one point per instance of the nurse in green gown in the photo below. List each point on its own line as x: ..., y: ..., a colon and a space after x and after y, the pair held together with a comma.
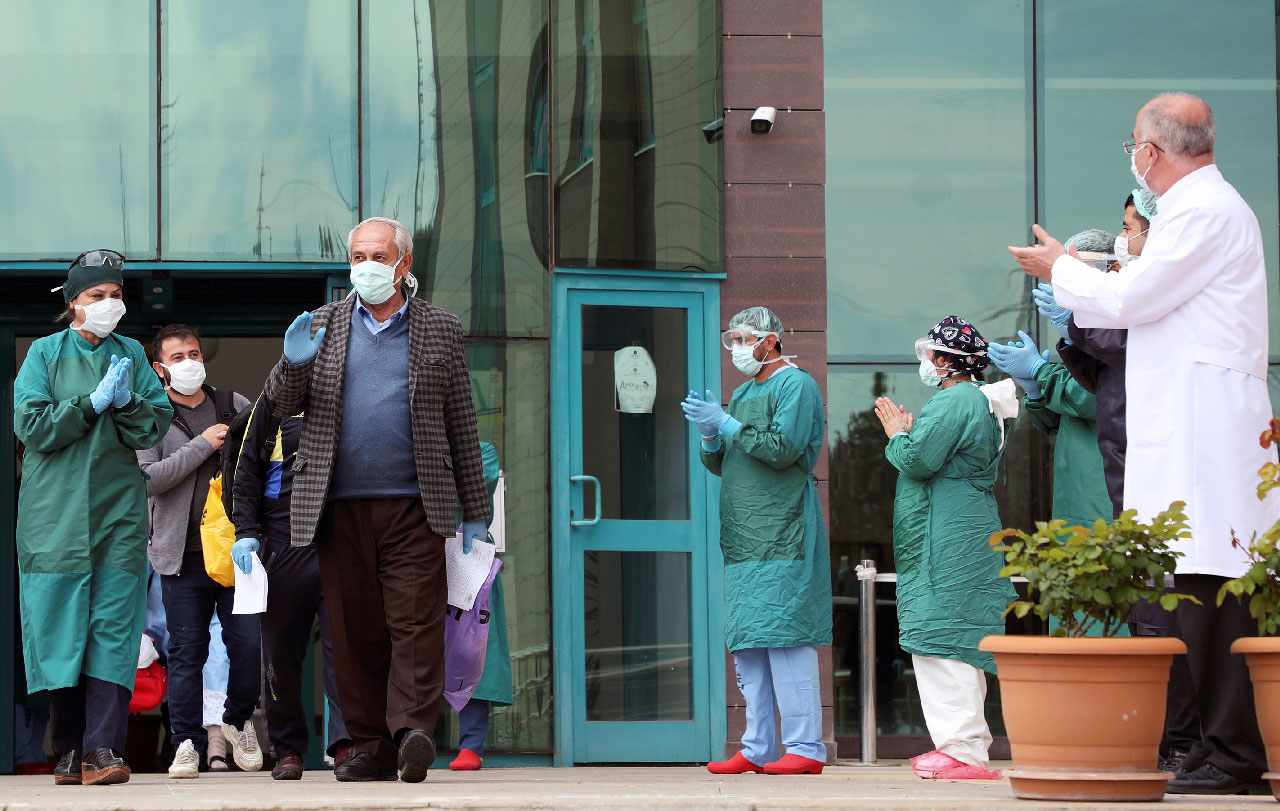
x: 84, y: 401
x: 950, y: 594
x: 777, y: 569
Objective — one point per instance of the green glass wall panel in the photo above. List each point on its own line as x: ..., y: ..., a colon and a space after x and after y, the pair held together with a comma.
x: 636, y: 183
x: 258, y: 130
x: 77, y: 158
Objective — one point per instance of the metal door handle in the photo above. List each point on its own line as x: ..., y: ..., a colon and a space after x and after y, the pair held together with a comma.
x: 592, y: 521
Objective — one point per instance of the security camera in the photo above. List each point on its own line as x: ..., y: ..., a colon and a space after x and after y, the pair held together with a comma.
x: 714, y: 131
x: 762, y: 119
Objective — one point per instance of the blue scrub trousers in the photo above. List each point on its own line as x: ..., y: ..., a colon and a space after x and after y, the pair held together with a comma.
x: 473, y: 725
x: 789, y: 677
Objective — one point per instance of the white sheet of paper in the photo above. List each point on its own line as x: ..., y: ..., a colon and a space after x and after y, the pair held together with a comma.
x: 466, y: 573
x: 498, y: 529
x: 251, y: 588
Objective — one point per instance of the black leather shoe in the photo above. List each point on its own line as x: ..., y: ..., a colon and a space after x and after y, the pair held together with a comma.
x: 417, y: 751
x: 363, y: 768
x: 1209, y: 779
x: 1172, y: 762
x: 67, y: 772
x: 102, y: 767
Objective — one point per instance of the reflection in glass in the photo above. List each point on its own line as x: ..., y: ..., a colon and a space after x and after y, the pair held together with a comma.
x: 641, y: 460
x: 638, y: 636
x: 258, y: 130
x: 77, y: 160
x: 637, y: 184
x: 933, y: 192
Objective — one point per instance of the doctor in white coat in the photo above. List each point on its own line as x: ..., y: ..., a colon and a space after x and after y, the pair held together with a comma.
x: 1195, y: 305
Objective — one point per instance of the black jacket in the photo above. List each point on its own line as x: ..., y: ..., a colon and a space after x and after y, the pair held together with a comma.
x: 263, y: 481
x: 1096, y: 359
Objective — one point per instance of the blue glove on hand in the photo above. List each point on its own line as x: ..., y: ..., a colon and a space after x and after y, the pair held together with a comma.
x: 101, y: 397
x: 123, y: 393
x: 1020, y: 360
x: 471, y: 532
x: 299, y: 346
x: 1049, y: 307
x: 240, y: 551
x: 708, y: 416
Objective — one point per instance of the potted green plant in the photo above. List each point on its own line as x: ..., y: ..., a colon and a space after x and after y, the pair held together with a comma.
x: 1085, y: 714
x: 1261, y: 585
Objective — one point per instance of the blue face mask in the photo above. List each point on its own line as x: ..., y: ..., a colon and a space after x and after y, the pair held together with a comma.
x: 373, y: 281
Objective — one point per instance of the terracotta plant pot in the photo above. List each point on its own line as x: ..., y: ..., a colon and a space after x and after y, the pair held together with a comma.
x: 1084, y: 716
x: 1263, y: 656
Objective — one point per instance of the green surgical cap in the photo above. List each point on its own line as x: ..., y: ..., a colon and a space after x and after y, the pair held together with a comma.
x: 1093, y: 239
x: 1145, y: 203
x: 80, y: 279
x: 761, y: 319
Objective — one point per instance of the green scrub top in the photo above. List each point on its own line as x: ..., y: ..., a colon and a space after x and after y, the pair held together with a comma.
x: 495, y: 679
x: 1070, y: 412
x: 950, y: 594
x: 82, y: 510
x: 777, y: 569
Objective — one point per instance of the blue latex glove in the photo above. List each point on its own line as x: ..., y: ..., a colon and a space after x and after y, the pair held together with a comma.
x: 1020, y: 360
x: 240, y: 551
x: 102, y: 396
x: 299, y: 346
x: 471, y: 532
x: 123, y: 393
x: 708, y: 416
x: 1049, y: 307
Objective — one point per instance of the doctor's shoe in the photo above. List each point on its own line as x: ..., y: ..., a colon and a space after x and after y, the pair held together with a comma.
x: 102, y: 767
x: 363, y: 768
x: 417, y: 751
x: 186, y: 762
x: 738, y: 764
x: 794, y: 764
x: 930, y: 763
x: 67, y: 772
x: 244, y: 746
x: 966, y: 771
x: 1209, y: 779
x: 466, y: 761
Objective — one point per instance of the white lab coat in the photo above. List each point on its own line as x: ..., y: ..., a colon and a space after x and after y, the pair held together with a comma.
x: 1195, y: 305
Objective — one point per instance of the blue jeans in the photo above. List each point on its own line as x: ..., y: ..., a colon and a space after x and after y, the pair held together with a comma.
x: 190, y: 599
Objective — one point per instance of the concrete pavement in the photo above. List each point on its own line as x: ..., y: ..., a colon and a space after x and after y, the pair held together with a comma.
x: 613, y: 787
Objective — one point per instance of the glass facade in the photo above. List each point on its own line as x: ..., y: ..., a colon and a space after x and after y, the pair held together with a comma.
x: 988, y: 116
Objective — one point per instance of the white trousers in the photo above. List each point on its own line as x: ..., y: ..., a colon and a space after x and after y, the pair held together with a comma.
x: 952, y: 694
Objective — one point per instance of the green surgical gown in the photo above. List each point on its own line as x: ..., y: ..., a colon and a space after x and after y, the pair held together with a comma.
x: 495, y: 680
x: 1066, y: 409
x: 777, y: 569
x: 950, y: 594
x: 82, y: 510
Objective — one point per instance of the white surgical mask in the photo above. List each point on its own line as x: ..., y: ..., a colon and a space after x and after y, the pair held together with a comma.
x: 101, y: 317
x: 373, y: 281
x: 744, y: 359
x: 929, y: 374
x: 186, y: 376
x: 1133, y: 167
x: 1122, y: 249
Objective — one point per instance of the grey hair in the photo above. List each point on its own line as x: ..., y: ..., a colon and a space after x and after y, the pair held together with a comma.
x: 404, y: 243
x: 1175, y: 132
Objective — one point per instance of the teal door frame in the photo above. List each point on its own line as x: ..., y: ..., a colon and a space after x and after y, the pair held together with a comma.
x: 579, y: 740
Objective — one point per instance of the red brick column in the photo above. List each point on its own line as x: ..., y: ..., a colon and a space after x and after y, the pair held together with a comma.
x: 774, y: 217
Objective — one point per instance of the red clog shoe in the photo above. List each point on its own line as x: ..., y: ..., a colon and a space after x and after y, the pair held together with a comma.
x: 794, y: 764
x: 738, y: 764
x: 966, y: 772
x: 930, y: 763
x: 466, y: 761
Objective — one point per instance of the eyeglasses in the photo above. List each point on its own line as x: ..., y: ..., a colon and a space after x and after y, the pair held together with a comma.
x: 98, y: 258
x: 1132, y: 146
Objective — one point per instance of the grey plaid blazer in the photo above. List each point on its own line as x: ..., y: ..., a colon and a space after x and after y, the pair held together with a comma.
x: 445, y: 445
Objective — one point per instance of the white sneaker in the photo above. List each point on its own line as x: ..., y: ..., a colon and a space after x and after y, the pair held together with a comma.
x: 186, y: 762
x: 244, y: 746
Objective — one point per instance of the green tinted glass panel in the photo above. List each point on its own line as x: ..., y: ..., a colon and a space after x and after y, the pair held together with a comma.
x: 928, y: 169
x: 1224, y: 52
x: 637, y: 183
x: 77, y: 159
x: 258, y: 130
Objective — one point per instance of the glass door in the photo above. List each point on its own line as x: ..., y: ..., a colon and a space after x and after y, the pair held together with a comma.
x: 630, y: 528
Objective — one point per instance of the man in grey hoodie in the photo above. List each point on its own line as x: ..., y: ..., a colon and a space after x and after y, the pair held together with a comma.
x: 179, y: 470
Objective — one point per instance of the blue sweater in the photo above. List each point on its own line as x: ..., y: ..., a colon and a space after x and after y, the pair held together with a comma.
x: 375, y: 444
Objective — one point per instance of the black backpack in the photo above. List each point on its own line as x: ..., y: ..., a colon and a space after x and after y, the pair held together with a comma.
x: 234, y: 441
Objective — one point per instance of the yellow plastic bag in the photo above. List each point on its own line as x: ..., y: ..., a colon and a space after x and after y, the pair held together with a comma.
x: 217, y: 535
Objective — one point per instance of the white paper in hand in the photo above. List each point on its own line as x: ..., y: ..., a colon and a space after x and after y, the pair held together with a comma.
x: 498, y: 528
x: 251, y: 588
x: 468, y: 572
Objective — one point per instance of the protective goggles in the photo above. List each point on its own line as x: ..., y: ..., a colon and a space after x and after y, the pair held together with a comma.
x: 743, y: 336
x: 98, y: 258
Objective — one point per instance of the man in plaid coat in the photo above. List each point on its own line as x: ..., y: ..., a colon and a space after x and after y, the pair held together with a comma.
x: 388, y: 447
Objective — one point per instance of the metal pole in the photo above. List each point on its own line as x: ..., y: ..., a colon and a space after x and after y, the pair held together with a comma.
x: 867, y: 621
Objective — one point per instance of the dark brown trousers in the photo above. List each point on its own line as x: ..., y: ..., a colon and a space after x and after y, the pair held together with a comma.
x: 383, y: 574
